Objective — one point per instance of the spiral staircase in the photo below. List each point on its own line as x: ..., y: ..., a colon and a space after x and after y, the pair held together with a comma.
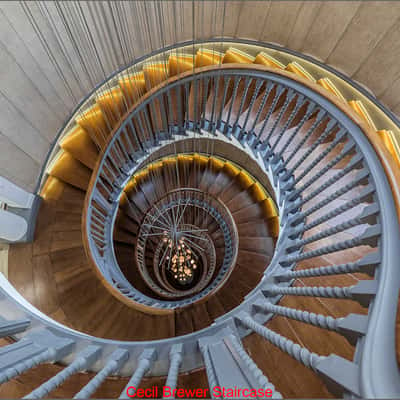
x: 214, y: 218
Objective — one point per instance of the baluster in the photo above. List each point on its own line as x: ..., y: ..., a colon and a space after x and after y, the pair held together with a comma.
x: 104, y: 186
x: 102, y: 213
x: 205, y: 86
x: 187, y: 105
x: 236, y: 81
x: 82, y: 361
x: 301, y: 354
x: 278, y: 94
x: 354, y: 163
x: 310, y: 110
x: 362, y: 292
x: 125, y: 154
x: 289, y: 97
x: 367, y: 216
x: 211, y: 376
x: 226, y: 80
x: 318, y: 120
x: 299, y: 103
x: 149, y: 129
x: 195, y: 105
x: 367, y: 265
x: 264, y: 99
x: 252, y: 366
x: 322, y: 321
x: 38, y: 348
x: 8, y: 328
x: 113, y: 162
x: 136, y: 137
x: 258, y: 86
x: 247, y: 83
x: 97, y: 227
x: 213, y: 108
x: 142, y: 135
x: 344, y: 153
x: 178, y: 97
x: 337, y: 372
x: 328, y: 131
x: 98, y: 222
x: 114, y: 364
x: 108, y: 170
x: 167, y: 121
x: 126, y: 136
x: 175, y: 356
x: 171, y: 116
x: 369, y: 237
x: 23, y: 366
x: 365, y: 195
x: 360, y: 178
x: 351, y: 327
x: 145, y: 361
x: 98, y: 237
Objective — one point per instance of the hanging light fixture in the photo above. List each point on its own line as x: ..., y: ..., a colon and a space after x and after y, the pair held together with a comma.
x: 181, y: 261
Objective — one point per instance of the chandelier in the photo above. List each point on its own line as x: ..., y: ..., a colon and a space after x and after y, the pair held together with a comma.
x: 181, y: 261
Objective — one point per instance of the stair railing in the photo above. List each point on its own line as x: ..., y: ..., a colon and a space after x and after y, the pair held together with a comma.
x: 372, y: 373
x: 152, y: 124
